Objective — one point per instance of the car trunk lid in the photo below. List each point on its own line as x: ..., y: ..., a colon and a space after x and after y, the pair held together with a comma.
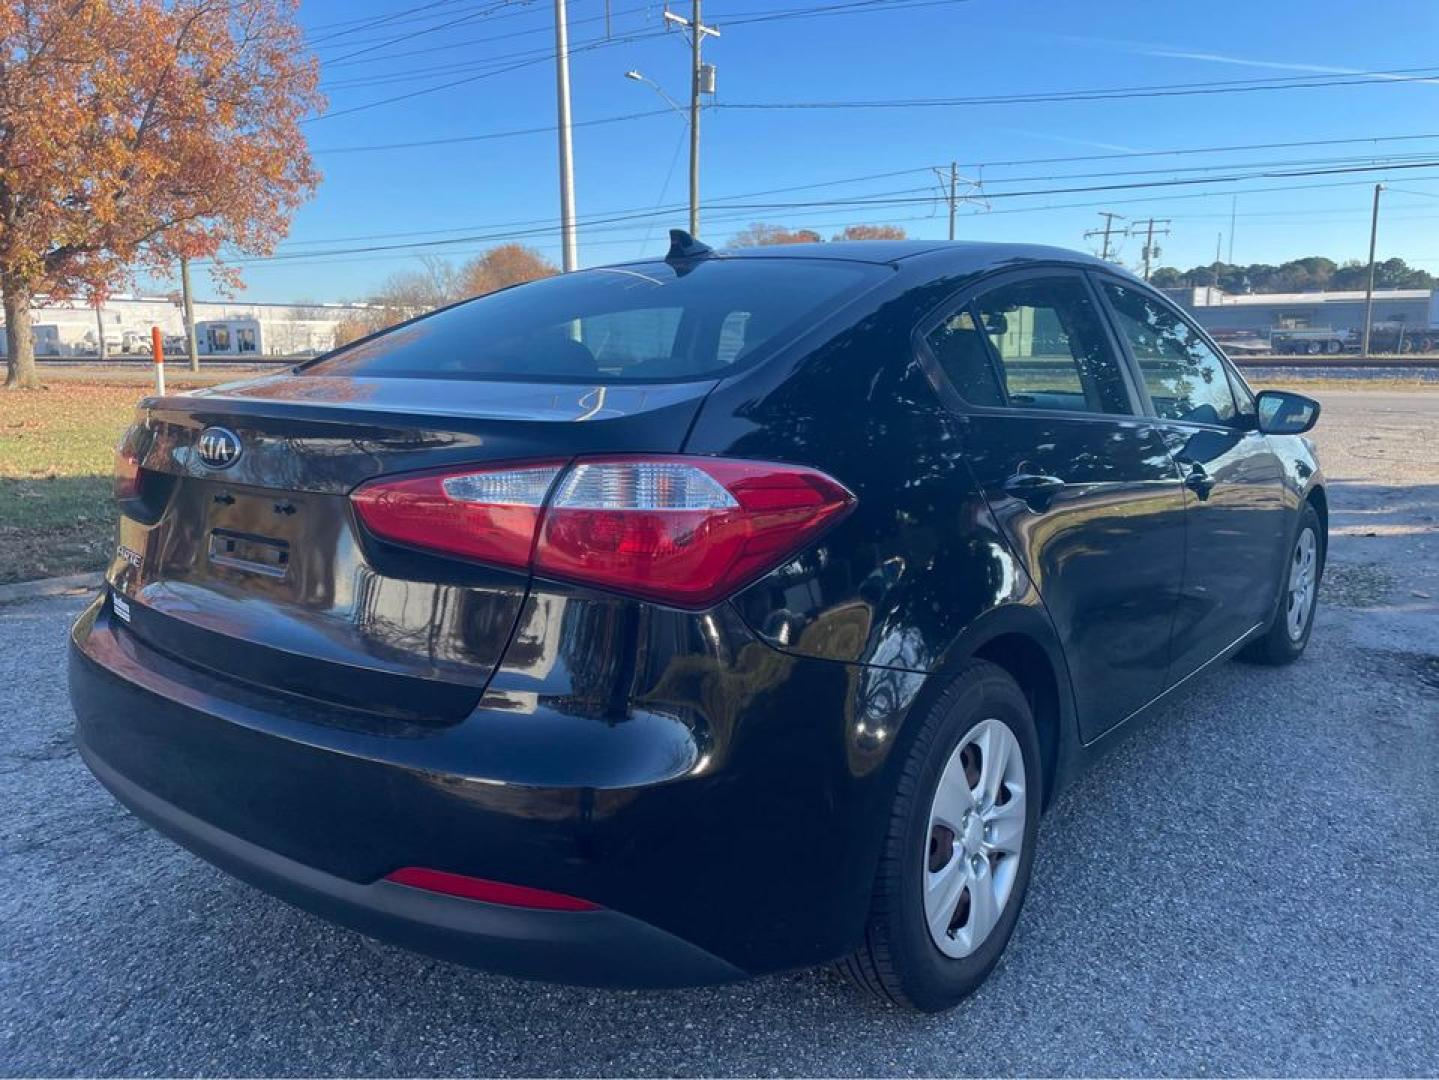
x: 259, y: 570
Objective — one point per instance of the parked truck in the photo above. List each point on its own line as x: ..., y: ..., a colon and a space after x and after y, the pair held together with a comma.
x: 1313, y: 341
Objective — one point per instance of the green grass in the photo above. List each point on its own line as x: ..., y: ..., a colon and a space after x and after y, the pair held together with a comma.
x: 57, y: 449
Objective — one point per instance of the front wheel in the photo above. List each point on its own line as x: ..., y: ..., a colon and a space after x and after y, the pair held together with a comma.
x: 960, y: 847
x: 1288, y: 633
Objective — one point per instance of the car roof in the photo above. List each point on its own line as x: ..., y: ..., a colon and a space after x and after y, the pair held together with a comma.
x: 962, y: 256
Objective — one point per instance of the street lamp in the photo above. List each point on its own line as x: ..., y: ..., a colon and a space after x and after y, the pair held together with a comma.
x: 640, y: 77
x: 702, y: 81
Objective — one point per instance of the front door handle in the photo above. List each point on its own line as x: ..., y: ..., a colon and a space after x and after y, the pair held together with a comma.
x: 1199, y: 481
x: 1035, y: 489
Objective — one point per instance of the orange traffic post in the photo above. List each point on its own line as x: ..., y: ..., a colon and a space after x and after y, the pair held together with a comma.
x: 157, y: 350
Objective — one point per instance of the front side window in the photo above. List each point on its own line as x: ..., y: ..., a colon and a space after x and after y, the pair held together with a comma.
x: 1185, y: 378
x: 1035, y: 344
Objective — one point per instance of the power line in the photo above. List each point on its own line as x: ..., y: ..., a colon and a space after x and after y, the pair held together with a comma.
x: 326, y: 259
x: 881, y: 200
x: 536, y: 59
x: 1297, y: 82
x: 857, y: 7
x: 356, y: 25
x: 729, y: 203
x: 487, y: 39
x: 492, y: 8
x: 1395, y: 159
x: 542, y: 129
x: 468, y: 17
x: 1119, y: 154
x: 724, y: 201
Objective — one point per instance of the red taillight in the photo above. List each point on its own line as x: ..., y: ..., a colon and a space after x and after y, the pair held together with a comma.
x: 127, y: 461
x: 489, y: 892
x: 685, y: 531
x: 127, y: 474
x: 490, y: 515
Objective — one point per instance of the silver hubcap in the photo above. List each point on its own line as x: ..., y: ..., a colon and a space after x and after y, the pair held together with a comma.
x: 976, y: 832
x: 1303, y: 583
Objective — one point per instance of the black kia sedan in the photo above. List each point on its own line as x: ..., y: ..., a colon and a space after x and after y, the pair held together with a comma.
x: 677, y: 621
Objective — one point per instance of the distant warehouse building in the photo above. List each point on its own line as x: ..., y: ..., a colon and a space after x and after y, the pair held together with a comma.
x: 222, y: 328
x: 1404, y: 319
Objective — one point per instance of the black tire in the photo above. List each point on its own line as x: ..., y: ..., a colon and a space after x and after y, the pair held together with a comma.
x: 898, y: 960
x: 1278, y: 645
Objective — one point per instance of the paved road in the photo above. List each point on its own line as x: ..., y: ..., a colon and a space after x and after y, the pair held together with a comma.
x: 1250, y: 884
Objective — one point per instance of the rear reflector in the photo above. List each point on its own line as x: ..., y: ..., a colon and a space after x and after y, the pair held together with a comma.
x: 683, y: 531
x: 489, y: 892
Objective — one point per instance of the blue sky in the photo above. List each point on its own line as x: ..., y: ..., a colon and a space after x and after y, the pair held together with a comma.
x: 900, y: 50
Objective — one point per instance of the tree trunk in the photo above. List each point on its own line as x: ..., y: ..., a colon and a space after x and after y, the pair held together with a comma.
x: 19, y: 339
x: 190, y: 342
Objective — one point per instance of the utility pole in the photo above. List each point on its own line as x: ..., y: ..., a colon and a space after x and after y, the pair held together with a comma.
x: 1369, y: 292
x: 953, y: 185
x: 701, y: 82
x: 1214, y: 273
x: 100, y: 329
x: 569, y: 245
x: 1109, y: 219
x: 1233, y: 212
x: 188, y: 301
x: 1150, y: 232
x: 696, y: 40
x: 949, y: 182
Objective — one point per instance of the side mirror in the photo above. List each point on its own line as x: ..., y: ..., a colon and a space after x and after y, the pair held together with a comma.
x: 1284, y: 413
x: 996, y: 323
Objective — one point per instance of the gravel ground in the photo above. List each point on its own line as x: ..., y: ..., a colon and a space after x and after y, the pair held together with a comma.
x: 1247, y: 885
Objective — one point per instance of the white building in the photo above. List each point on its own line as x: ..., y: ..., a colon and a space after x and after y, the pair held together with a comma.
x: 73, y: 328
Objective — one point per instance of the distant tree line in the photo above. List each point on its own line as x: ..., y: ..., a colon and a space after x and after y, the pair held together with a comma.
x: 438, y: 282
x: 1312, y: 274
x: 760, y: 234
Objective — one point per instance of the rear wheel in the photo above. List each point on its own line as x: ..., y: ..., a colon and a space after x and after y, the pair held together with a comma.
x: 1289, y: 631
x: 960, y: 847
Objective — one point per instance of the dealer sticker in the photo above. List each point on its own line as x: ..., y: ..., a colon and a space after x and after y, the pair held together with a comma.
x: 121, y: 605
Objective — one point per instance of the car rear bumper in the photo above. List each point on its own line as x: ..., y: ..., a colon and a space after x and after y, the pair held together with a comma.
x: 701, y: 872
x: 600, y: 947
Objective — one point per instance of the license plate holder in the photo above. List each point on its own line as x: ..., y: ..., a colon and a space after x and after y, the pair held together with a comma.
x: 246, y: 551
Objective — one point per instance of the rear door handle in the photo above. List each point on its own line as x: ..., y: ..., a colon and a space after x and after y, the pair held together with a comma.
x: 1036, y: 489
x: 1199, y: 481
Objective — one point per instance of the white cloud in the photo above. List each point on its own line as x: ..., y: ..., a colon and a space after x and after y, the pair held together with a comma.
x: 1169, y: 52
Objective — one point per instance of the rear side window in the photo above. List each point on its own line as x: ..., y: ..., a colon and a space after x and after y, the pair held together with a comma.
x: 1185, y: 378
x: 641, y: 323
x: 1034, y: 344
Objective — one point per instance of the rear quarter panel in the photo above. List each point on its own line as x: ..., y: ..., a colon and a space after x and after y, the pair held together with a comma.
x: 919, y: 576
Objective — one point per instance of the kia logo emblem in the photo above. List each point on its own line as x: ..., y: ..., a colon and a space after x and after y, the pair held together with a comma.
x: 219, y: 447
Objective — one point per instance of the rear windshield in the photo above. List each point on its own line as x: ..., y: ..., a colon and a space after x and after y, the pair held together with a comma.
x: 640, y: 323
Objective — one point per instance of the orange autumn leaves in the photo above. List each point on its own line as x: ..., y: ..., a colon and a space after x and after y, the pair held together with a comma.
x: 136, y: 131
